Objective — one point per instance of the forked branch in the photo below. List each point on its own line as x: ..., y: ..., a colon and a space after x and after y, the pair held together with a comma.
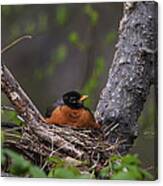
x: 120, y: 104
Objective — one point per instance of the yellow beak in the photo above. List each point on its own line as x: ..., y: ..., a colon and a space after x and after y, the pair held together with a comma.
x: 84, y: 97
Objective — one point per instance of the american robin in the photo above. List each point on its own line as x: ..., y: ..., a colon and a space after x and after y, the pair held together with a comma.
x: 70, y: 110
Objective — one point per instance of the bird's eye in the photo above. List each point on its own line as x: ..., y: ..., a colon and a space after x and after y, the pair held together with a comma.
x: 73, y: 100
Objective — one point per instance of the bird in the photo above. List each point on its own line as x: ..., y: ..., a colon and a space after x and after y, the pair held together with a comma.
x: 69, y: 110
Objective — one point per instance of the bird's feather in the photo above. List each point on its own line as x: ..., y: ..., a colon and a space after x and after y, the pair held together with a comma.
x: 50, y: 109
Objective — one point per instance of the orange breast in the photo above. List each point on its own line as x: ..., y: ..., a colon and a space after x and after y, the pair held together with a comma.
x: 64, y: 115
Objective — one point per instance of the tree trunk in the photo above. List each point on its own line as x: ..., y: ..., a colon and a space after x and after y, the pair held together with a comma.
x: 120, y: 104
x: 133, y: 69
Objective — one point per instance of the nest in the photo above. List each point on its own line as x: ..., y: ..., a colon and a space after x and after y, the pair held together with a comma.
x: 92, y: 145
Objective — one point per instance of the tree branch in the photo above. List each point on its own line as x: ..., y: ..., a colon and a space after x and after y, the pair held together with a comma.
x: 42, y: 139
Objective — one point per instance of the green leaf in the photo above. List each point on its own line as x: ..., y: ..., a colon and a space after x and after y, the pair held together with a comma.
x: 57, y: 56
x: 36, y: 172
x: 92, y: 14
x: 131, y: 159
x: 104, y: 172
x: 64, y: 172
x: 62, y: 15
x: 73, y: 37
x: 110, y: 37
x: 30, y: 27
x: 68, y: 172
x: 100, y: 61
x: 123, y: 176
x: 135, y: 172
x: 61, y: 53
x: 21, y: 167
x: 92, y: 83
x: 2, y: 157
x: 56, y: 160
x: 10, y: 116
x: 126, y: 167
x: 117, y: 165
x: 146, y: 174
x: 2, y: 136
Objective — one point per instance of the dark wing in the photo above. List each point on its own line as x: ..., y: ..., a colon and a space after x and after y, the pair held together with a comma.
x: 50, y: 109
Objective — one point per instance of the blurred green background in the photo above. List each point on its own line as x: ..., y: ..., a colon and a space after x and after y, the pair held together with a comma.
x: 72, y: 47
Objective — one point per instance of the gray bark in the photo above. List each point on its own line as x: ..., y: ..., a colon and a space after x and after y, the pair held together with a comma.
x: 132, y: 71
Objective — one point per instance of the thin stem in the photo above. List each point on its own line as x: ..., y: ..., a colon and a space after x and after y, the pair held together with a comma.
x: 15, y: 42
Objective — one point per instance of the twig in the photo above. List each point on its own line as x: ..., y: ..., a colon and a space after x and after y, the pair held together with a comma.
x: 15, y: 42
x: 111, y: 130
x: 13, y: 129
x: 8, y: 108
x: 53, y: 152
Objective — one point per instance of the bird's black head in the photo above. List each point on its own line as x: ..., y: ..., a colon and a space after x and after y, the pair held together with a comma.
x: 74, y: 99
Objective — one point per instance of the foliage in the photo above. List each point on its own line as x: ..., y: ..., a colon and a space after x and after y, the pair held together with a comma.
x: 58, y: 56
x: 30, y: 27
x: 64, y: 169
x: 73, y: 38
x: 118, y: 168
x: 67, y: 172
x: 62, y: 15
x: 61, y: 53
x: 110, y: 37
x: 43, y: 22
x: 11, y: 116
x: 21, y: 167
x: 124, y: 168
x: 92, y: 83
x: 92, y: 14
